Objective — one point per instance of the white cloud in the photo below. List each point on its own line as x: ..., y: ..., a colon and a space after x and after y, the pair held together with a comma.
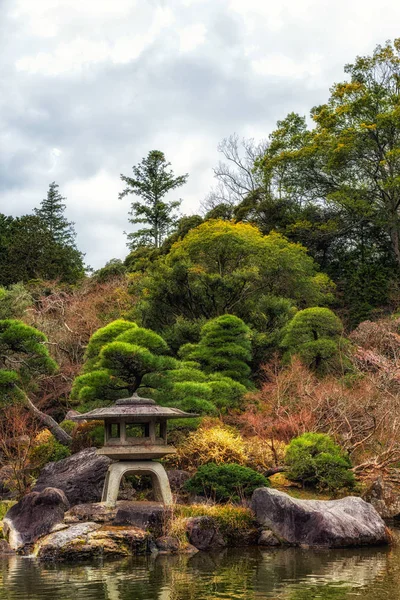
x: 88, y: 87
x: 191, y: 37
x: 279, y: 65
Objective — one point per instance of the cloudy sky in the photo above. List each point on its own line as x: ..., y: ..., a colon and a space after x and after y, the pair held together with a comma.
x: 88, y: 87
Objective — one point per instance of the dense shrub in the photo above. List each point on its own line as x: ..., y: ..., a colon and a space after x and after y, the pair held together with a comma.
x: 47, y: 449
x: 224, y: 347
x: 316, y: 460
x: 217, y: 444
x: 314, y: 334
x: 228, y: 482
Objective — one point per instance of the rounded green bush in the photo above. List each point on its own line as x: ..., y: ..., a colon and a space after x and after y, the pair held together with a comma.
x: 229, y: 482
x: 316, y: 460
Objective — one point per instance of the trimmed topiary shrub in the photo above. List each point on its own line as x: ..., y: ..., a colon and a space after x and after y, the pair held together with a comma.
x: 315, y: 335
x: 316, y: 460
x: 224, y: 483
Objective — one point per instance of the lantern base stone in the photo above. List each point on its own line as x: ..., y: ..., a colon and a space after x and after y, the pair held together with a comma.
x: 159, y: 478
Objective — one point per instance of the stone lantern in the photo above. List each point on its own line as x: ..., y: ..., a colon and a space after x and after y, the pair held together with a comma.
x: 135, y: 433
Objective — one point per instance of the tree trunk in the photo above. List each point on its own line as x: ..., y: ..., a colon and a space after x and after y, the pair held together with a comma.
x: 275, y: 470
x: 61, y: 436
x: 394, y: 236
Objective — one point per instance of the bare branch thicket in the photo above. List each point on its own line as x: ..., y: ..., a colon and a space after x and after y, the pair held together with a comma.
x: 235, y: 174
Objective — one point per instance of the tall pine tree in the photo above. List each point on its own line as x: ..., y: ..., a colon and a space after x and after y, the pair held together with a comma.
x: 152, y: 180
x: 51, y: 213
x: 61, y: 258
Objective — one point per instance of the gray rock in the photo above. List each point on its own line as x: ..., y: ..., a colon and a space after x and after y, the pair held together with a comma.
x: 384, y: 497
x: 90, y: 540
x: 96, y: 512
x: 5, y: 549
x: 177, y: 479
x: 167, y: 544
x: 203, y: 533
x: 53, y: 545
x: 267, y: 538
x: 335, y: 523
x: 34, y: 516
x: 80, y: 476
x: 145, y: 515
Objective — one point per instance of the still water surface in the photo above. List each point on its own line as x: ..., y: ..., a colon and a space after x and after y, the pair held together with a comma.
x: 237, y: 574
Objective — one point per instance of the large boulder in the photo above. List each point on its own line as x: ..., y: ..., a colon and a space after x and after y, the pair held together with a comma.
x: 90, y: 540
x: 34, y: 516
x: 385, y: 497
x: 335, y: 523
x: 80, y: 476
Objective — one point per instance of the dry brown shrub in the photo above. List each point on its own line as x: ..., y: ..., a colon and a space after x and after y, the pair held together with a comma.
x: 68, y: 317
x: 362, y: 415
x: 18, y: 432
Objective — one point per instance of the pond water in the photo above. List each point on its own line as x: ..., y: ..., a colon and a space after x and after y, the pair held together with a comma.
x: 237, y: 574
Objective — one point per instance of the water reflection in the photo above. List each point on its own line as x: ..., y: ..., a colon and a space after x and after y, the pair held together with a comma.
x: 241, y: 574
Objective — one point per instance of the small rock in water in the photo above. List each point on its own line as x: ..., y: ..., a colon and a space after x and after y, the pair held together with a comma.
x: 5, y: 549
x: 204, y: 534
x: 167, y: 543
x: 267, y: 538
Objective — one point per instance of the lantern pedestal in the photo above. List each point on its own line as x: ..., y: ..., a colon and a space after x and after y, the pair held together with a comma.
x: 135, y: 432
x: 161, y: 487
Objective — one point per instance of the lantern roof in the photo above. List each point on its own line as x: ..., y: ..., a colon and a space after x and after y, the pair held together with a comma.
x: 135, y: 406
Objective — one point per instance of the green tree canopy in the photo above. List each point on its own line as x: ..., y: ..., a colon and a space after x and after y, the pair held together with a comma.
x: 348, y: 162
x: 51, y: 213
x: 224, y: 267
x: 24, y: 358
x: 152, y: 180
x: 224, y: 347
x: 123, y: 358
x: 315, y: 334
x: 29, y: 251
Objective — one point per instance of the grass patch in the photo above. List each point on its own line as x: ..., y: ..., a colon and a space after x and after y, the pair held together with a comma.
x: 227, y: 516
x: 229, y: 519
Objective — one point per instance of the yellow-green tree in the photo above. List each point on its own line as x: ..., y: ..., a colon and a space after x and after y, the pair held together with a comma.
x: 225, y: 267
x: 350, y: 159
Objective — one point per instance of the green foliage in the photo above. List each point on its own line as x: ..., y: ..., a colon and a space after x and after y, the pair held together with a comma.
x: 49, y: 450
x: 182, y: 332
x: 122, y: 358
x: 51, y: 214
x: 345, y: 170
x: 14, y: 301
x: 152, y: 180
x: 224, y: 347
x: 314, y: 334
x: 223, y: 267
x: 227, y: 482
x: 112, y: 269
x: 29, y: 251
x: 118, y: 358
x: 316, y: 460
x: 24, y: 357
